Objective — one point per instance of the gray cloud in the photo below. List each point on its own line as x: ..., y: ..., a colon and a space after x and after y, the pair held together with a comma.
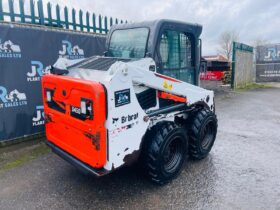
x: 252, y: 19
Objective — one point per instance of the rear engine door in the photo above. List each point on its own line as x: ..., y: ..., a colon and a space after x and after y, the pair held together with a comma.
x: 75, y: 115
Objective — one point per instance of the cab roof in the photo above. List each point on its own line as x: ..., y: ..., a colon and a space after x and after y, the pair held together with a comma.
x: 155, y: 27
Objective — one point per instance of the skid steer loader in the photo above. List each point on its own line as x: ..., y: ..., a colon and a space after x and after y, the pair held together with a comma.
x: 138, y: 102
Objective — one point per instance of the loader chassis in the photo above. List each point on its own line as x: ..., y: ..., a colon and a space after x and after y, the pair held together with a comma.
x: 139, y: 102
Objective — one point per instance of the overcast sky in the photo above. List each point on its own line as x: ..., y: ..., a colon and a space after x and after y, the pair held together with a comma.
x: 252, y: 19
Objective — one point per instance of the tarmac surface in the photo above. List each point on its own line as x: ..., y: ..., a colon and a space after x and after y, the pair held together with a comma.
x: 241, y: 172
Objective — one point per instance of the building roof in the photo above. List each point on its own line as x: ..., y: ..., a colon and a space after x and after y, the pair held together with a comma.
x: 219, y: 58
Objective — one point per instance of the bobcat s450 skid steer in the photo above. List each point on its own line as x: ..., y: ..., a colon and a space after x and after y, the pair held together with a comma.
x: 138, y: 102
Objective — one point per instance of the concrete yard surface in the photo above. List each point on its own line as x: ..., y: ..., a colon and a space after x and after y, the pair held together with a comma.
x: 241, y: 172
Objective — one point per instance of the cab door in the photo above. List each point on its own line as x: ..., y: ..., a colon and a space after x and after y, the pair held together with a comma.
x: 176, y: 55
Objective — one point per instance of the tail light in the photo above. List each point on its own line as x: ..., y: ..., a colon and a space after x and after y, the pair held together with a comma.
x: 87, y: 108
x: 49, y: 95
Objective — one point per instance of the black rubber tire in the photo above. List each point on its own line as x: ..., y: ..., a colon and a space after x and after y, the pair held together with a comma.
x: 202, y: 133
x: 163, y: 138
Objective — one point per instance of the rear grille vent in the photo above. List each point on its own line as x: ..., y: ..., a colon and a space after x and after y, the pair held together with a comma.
x: 147, y: 98
x: 101, y: 63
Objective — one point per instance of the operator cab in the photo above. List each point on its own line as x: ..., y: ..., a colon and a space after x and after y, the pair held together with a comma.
x: 175, y: 46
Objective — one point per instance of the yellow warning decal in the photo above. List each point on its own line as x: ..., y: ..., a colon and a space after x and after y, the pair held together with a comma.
x: 167, y: 86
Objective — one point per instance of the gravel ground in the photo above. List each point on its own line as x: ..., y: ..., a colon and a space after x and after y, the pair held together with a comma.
x: 241, y: 172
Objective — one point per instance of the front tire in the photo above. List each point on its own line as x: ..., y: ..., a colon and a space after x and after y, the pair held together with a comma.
x: 202, y: 134
x: 165, y: 152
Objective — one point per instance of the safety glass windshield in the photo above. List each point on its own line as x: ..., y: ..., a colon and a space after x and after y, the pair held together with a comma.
x: 129, y: 43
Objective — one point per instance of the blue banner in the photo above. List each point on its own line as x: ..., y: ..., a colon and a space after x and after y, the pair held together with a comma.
x: 25, y: 52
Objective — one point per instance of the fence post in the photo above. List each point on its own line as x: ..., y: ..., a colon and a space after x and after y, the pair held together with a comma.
x: 100, y: 24
x: 1, y: 11
x: 11, y: 9
x: 87, y: 22
x: 21, y: 11
x: 58, y: 16
x: 32, y: 12
x: 49, y: 8
x: 233, y: 64
x: 66, y: 17
x: 94, y: 23
x: 41, y: 12
x: 81, y: 20
x: 74, y: 19
x: 105, y: 24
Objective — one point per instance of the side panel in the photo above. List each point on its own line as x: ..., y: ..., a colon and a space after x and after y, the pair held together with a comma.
x: 125, y: 123
x: 126, y: 119
x: 85, y: 139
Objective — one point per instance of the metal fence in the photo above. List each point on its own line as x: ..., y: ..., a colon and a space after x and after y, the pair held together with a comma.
x: 243, y: 71
x: 79, y: 20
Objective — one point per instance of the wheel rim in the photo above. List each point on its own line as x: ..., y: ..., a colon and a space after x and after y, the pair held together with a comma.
x: 208, y: 134
x: 172, y: 155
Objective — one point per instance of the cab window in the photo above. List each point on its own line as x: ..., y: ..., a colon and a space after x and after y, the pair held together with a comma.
x: 129, y: 43
x: 176, y: 54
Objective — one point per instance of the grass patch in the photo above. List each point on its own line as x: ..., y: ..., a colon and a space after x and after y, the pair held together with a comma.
x: 26, y: 156
x: 253, y: 86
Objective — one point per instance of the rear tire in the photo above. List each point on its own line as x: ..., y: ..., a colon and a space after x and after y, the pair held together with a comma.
x: 165, y: 152
x: 202, y: 134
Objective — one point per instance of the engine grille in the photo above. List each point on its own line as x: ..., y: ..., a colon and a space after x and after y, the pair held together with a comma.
x: 100, y: 63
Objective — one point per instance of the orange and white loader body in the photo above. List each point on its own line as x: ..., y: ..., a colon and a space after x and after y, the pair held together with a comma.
x: 94, y: 117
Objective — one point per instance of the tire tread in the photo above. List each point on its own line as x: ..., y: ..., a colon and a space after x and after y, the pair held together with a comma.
x: 157, y: 136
